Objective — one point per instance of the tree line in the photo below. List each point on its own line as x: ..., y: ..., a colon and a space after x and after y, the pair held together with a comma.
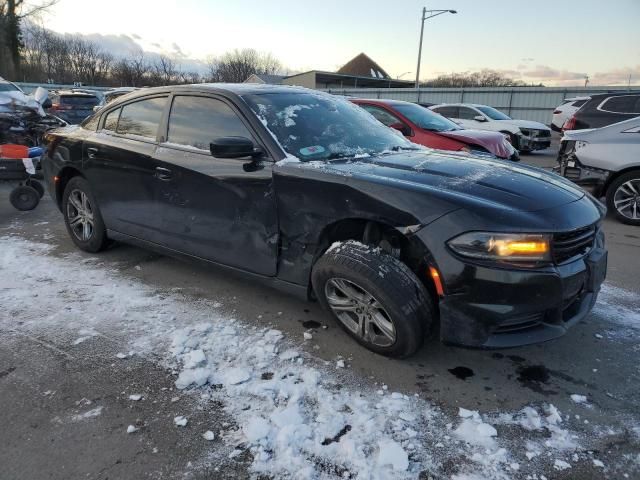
x: 50, y: 57
x: 483, y: 78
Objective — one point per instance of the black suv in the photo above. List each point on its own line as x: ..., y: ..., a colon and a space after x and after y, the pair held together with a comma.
x: 604, y: 109
x: 310, y: 193
x: 73, y: 106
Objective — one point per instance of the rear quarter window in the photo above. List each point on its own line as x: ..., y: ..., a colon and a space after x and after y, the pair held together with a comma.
x: 628, y: 104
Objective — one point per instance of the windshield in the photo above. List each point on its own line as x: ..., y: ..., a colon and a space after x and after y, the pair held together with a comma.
x: 493, y: 114
x: 313, y: 126
x: 426, y: 119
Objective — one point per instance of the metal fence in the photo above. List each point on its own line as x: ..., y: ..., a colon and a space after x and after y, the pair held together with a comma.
x: 527, y: 103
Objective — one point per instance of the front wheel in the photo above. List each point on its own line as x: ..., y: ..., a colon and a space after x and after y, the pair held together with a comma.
x: 82, y: 216
x: 623, y: 198
x: 374, y: 297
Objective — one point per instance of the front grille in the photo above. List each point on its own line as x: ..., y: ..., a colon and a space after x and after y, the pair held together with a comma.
x: 572, y: 173
x: 521, y: 323
x: 571, y: 244
x: 544, y: 133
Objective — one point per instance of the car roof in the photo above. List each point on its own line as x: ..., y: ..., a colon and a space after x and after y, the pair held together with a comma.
x: 381, y: 101
x: 615, y: 94
x: 236, y: 88
x: 461, y: 105
x: 82, y: 93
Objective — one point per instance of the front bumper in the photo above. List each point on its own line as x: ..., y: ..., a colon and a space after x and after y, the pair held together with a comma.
x: 498, y: 307
x: 591, y: 179
x: 534, y: 141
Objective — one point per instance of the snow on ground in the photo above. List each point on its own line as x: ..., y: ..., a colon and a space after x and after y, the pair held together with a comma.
x: 297, y: 416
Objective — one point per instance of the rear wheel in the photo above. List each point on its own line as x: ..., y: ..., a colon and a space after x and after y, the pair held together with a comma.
x: 374, y: 297
x: 623, y: 198
x: 24, y: 198
x: 82, y: 216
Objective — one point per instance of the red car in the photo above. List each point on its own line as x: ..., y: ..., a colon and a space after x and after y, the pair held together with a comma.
x: 424, y: 127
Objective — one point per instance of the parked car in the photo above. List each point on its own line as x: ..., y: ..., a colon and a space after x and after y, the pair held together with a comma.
x: 73, y: 106
x: 310, y: 193
x: 110, y: 95
x: 565, y: 111
x: 424, y: 127
x: 606, y: 161
x: 604, y: 109
x: 525, y: 135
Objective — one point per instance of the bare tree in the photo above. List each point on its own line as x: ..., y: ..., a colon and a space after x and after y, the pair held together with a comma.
x: 238, y: 65
x: 12, y: 13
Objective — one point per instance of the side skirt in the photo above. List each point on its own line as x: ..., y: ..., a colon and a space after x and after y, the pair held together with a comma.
x: 294, y: 289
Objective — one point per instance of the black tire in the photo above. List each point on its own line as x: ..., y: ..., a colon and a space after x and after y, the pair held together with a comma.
x: 96, y: 240
x: 37, y: 186
x: 405, y: 301
x: 611, y: 196
x: 24, y: 198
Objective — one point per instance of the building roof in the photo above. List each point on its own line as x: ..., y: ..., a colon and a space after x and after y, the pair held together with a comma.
x: 348, y: 80
x: 264, y: 78
x: 362, y: 66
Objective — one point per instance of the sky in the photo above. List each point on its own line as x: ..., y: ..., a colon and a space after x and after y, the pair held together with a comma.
x: 556, y: 42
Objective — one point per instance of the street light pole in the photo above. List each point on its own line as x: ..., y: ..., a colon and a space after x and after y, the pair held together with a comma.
x: 432, y: 13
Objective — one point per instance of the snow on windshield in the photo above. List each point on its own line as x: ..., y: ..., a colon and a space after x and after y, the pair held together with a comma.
x: 315, y: 126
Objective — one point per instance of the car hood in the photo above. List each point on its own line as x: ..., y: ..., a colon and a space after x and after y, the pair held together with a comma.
x: 526, y: 124
x: 494, y: 142
x: 460, y: 179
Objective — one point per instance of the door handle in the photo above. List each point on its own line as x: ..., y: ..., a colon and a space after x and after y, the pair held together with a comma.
x: 163, y: 174
x: 92, y: 152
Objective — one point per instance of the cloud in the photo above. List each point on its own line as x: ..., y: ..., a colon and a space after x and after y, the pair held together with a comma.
x: 617, y: 76
x: 544, y: 72
x: 136, y: 36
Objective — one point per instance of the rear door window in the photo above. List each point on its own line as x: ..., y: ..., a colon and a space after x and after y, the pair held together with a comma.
x: 195, y: 121
x: 451, y: 112
x: 382, y: 115
x: 142, y: 118
x: 467, y: 113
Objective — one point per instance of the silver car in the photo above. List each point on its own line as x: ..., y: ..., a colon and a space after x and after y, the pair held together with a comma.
x: 606, y: 162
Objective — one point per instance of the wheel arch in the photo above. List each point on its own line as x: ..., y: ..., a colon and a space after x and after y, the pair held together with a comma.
x: 396, y: 241
x: 66, y: 174
x: 616, y: 175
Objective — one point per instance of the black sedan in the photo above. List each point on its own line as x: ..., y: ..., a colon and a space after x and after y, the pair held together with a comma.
x: 311, y: 194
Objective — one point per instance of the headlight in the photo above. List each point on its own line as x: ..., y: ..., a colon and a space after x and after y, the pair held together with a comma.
x: 508, y: 247
x: 525, y: 132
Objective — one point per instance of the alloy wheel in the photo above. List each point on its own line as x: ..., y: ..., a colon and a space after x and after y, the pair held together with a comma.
x: 627, y: 199
x: 80, y: 215
x: 360, y: 312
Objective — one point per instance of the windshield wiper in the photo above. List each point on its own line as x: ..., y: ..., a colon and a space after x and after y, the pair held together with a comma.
x: 397, y: 148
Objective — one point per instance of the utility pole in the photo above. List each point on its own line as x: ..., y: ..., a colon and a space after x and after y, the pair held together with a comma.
x: 432, y: 13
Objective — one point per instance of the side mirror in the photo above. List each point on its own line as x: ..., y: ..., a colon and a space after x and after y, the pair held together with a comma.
x: 402, y: 128
x: 479, y: 118
x: 233, y: 147
x: 47, y: 104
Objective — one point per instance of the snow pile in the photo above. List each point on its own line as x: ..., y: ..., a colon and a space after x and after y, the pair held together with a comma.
x: 290, y: 419
x: 474, y: 431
